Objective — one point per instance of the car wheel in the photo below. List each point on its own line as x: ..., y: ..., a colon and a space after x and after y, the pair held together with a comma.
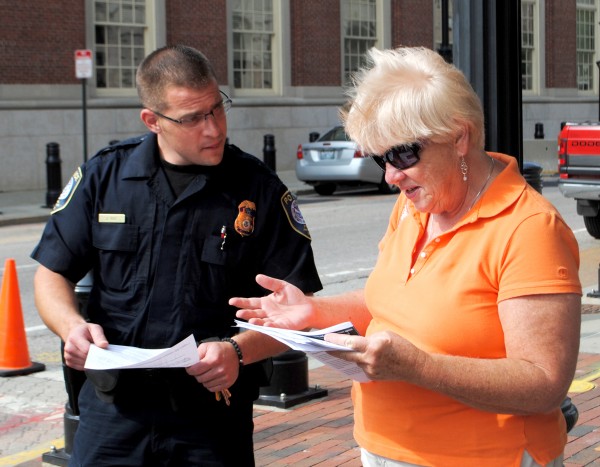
x: 325, y: 189
x: 386, y: 188
x: 592, y: 224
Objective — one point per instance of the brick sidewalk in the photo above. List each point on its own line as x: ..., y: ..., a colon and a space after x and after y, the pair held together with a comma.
x: 583, y: 447
x: 319, y: 433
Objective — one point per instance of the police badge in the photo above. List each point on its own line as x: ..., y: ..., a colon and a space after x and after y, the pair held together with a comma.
x: 244, y: 223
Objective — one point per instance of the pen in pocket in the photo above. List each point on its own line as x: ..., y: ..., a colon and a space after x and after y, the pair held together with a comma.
x: 223, y: 237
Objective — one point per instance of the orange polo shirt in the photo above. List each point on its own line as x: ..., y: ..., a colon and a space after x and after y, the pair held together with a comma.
x: 512, y: 243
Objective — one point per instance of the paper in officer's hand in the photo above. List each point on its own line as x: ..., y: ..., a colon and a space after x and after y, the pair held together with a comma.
x: 181, y: 355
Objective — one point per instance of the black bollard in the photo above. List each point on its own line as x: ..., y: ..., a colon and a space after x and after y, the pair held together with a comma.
x: 595, y: 293
x: 289, y: 382
x: 74, y: 380
x: 539, y: 131
x: 532, y: 173
x: 269, y: 151
x: 570, y: 413
x: 53, y: 174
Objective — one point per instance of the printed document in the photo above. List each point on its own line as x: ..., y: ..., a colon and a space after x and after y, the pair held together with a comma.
x: 181, y: 355
x: 313, y: 342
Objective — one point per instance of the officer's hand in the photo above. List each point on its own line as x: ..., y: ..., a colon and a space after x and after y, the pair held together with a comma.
x: 218, y: 367
x: 78, y: 343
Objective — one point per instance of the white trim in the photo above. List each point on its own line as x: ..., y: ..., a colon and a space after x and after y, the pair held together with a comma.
x: 535, y: 50
x: 154, y: 34
x: 280, y: 11
x: 590, y: 5
x: 379, y: 38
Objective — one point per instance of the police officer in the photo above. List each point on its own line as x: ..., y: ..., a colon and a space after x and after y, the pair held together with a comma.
x: 172, y: 224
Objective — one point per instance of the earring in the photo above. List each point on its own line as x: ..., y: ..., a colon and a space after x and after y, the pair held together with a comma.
x: 463, y: 168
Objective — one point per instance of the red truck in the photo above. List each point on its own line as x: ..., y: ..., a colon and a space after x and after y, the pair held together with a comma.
x: 579, y: 170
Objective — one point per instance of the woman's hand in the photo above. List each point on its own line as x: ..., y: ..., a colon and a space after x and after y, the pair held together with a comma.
x: 286, y: 307
x: 382, y: 356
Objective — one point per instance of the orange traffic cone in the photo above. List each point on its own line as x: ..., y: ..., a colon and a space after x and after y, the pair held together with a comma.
x: 14, y: 354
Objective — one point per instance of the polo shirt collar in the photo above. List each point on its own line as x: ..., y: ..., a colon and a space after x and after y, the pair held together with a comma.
x: 504, y: 191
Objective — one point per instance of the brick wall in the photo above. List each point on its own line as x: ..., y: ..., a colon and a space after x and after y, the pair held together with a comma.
x: 412, y: 23
x: 561, y: 44
x: 201, y: 24
x: 315, y: 42
x: 39, y: 39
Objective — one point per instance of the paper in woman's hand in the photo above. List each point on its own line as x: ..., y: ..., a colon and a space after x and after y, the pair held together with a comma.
x: 313, y: 343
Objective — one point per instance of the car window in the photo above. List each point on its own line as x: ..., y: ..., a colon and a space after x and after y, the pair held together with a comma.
x: 335, y: 134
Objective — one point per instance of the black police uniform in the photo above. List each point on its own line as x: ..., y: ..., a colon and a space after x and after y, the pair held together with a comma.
x: 164, y: 267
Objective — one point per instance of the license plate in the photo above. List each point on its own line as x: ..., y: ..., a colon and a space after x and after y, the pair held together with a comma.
x: 327, y: 155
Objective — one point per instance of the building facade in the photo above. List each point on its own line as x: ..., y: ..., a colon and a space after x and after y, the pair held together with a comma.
x: 285, y: 64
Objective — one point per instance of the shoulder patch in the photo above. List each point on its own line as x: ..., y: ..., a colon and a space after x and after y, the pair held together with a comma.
x: 294, y: 216
x: 68, y: 191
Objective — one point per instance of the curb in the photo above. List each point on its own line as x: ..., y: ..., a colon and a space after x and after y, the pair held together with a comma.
x: 23, y: 220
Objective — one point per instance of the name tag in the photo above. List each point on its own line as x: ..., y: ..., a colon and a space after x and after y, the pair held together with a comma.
x: 111, y: 218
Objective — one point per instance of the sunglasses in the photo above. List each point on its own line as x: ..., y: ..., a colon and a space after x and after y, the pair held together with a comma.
x: 401, y: 157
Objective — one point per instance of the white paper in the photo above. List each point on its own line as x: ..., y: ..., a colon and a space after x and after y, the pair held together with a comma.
x: 181, y: 355
x: 350, y: 369
x: 312, y: 342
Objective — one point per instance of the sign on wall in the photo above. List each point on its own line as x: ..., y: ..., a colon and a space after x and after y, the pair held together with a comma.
x: 83, y: 64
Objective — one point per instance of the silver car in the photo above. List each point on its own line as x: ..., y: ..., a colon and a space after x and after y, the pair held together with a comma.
x: 333, y: 160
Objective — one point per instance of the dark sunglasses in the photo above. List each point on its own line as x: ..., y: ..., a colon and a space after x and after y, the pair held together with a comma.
x: 401, y: 157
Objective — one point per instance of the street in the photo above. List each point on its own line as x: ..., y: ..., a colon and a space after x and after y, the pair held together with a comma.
x: 345, y: 228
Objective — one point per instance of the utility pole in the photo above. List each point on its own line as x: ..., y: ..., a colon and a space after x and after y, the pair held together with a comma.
x: 488, y: 50
x: 445, y: 49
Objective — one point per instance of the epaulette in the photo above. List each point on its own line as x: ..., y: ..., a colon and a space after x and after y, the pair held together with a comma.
x: 122, y: 144
x: 254, y: 161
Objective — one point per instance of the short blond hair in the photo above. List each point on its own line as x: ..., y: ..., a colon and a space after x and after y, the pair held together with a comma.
x: 407, y: 95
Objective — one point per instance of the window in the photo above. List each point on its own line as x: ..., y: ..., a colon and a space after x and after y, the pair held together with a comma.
x: 527, y: 44
x: 119, y: 41
x: 586, y: 41
x: 359, y: 33
x: 253, y: 44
